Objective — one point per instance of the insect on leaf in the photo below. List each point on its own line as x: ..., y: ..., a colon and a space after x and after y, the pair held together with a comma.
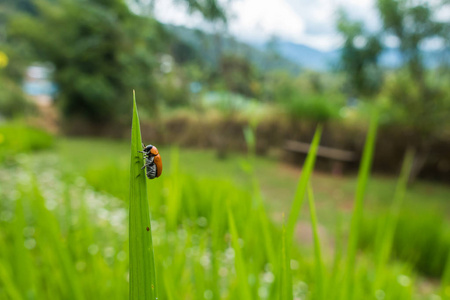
x: 142, y: 263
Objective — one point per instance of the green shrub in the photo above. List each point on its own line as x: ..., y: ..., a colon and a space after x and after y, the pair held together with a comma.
x: 316, y: 107
x: 12, y: 100
x: 403, y: 103
x: 420, y: 238
x: 16, y: 138
x: 311, y: 96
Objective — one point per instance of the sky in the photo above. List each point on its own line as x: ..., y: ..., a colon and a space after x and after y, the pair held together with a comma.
x: 308, y: 22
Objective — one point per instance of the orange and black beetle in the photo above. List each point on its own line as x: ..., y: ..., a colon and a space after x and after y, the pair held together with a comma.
x: 153, y: 162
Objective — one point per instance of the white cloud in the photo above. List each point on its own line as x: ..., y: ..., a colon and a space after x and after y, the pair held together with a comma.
x: 167, y: 11
x: 301, y: 21
x: 258, y: 20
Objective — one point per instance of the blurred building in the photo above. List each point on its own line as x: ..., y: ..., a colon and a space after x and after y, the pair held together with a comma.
x: 40, y: 89
x: 38, y: 84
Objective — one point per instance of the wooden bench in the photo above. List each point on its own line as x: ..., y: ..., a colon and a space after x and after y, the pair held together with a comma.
x: 337, y: 156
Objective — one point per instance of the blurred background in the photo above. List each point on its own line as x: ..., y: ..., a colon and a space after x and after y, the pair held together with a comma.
x: 231, y: 93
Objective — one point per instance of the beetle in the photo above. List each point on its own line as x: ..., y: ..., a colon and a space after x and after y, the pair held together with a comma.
x: 153, y: 161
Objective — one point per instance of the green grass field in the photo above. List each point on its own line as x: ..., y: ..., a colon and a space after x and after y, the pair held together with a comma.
x: 277, y: 180
x: 216, y: 227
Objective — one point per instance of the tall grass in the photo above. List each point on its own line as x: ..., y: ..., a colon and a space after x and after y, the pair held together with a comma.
x: 64, y: 236
x: 17, y: 138
x: 387, y: 229
x: 318, y: 263
x: 303, y: 183
x: 363, y: 177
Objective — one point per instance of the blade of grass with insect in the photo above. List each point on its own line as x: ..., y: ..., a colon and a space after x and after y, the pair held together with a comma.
x: 363, y: 177
x: 142, y: 263
x: 302, y: 184
x: 385, y: 246
x: 318, y: 268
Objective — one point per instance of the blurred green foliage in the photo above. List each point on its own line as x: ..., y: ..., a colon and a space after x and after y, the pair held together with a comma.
x: 311, y: 96
x: 404, y: 103
x: 101, y: 51
x: 17, y: 138
x: 422, y: 239
x: 64, y: 234
x: 13, y: 103
x: 359, y: 58
x: 238, y: 75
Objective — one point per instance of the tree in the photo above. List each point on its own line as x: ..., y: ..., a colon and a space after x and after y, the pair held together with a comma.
x: 412, y: 24
x: 101, y: 51
x: 359, y: 58
x: 238, y: 75
x: 416, y: 97
x: 424, y: 101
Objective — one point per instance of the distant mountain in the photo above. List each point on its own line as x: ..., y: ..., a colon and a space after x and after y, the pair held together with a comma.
x: 310, y: 58
x: 307, y: 57
x: 283, y: 54
x: 210, y: 46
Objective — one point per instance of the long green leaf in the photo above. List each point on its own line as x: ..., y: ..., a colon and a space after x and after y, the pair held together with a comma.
x: 385, y: 246
x: 142, y: 263
x: 317, y: 249
x: 7, y: 283
x: 302, y: 184
x: 239, y: 263
x: 363, y: 177
x: 286, y: 292
x: 445, y: 282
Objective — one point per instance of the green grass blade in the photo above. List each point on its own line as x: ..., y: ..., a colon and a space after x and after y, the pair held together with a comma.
x: 445, y: 282
x: 142, y: 263
x: 318, y: 268
x: 363, y: 177
x: 385, y: 247
x: 241, y: 272
x: 50, y: 244
x: 302, y: 184
x: 22, y: 259
x: 286, y: 292
x: 7, y: 284
x: 334, y: 287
